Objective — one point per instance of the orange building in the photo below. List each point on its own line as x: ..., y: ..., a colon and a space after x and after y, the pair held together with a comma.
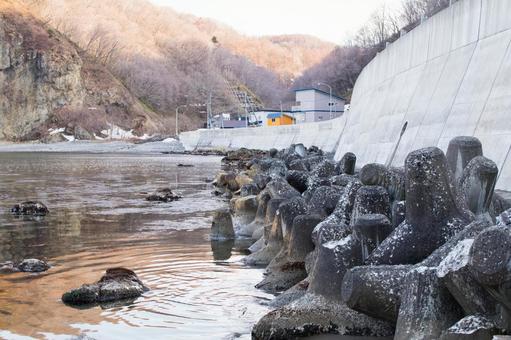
x: 276, y: 119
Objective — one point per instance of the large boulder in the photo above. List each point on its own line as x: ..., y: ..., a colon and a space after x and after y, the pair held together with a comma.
x: 116, y: 285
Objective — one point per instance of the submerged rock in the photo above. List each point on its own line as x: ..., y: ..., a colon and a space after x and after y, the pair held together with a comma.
x: 222, y: 227
x: 8, y: 267
x: 33, y: 266
x: 117, y: 284
x: 27, y: 266
x: 163, y: 195
x: 33, y: 208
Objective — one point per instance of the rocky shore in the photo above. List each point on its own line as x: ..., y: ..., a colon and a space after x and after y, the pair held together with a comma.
x: 421, y: 251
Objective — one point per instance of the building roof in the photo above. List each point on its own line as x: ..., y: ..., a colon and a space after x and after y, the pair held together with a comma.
x: 273, y: 111
x: 277, y: 115
x: 320, y: 91
x: 307, y: 111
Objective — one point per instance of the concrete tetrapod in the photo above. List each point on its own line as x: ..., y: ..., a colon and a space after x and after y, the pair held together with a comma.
x: 455, y: 275
x: 244, y: 213
x: 490, y: 256
x: 275, y: 279
x: 346, y: 202
x: 469, y: 232
x: 370, y: 199
x: 477, y: 184
x: 222, y: 226
x: 248, y: 230
x: 280, y: 188
x: 371, y: 230
x: 433, y: 214
x: 347, y: 164
x: 398, y: 213
x: 460, y: 152
x: 320, y: 310
x: 375, y: 290
x: 472, y: 327
x: 272, y: 236
x: 427, y: 308
x: 392, y: 179
x: 324, y: 200
x: 330, y: 229
x: 297, y: 179
x: 288, y: 266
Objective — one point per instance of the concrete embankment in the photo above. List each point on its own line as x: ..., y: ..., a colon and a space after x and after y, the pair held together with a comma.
x: 448, y: 77
x: 325, y: 135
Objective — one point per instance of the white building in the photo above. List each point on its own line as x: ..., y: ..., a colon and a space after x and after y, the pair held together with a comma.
x: 313, y: 105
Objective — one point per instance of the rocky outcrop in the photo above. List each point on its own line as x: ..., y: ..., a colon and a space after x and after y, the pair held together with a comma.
x: 46, y: 81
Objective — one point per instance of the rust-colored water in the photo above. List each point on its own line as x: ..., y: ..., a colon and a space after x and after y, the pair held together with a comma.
x: 99, y: 219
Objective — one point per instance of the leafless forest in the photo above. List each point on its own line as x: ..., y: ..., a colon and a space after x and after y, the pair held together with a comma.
x: 169, y: 59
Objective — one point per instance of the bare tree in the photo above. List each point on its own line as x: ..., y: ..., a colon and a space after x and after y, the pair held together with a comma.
x: 101, y: 45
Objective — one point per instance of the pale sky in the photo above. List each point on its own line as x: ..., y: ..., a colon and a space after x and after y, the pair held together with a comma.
x: 331, y: 20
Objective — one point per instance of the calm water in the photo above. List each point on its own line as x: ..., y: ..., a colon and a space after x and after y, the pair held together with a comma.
x: 100, y: 219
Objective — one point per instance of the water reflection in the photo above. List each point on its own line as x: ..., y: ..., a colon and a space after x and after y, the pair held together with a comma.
x: 99, y: 218
x: 223, y: 249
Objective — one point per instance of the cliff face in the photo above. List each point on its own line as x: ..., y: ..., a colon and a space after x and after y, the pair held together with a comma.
x: 44, y: 81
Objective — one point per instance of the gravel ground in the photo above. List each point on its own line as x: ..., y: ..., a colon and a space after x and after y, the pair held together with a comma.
x: 95, y: 147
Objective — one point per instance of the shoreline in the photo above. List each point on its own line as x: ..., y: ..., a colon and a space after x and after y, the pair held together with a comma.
x: 173, y: 146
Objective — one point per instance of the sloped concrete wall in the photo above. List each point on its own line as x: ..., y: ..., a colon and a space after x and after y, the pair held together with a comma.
x: 450, y: 76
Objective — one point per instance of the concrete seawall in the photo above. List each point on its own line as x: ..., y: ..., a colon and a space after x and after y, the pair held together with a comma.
x: 450, y: 76
x: 325, y: 135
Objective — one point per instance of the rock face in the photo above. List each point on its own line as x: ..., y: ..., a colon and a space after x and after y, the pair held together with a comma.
x: 406, y: 252
x: 44, y: 80
x: 30, y: 208
x: 117, y: 284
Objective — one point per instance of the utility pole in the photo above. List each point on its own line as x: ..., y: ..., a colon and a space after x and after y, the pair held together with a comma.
x: 208, y: 108
x: 246, y: 110
x: 330, y: 104
x: 177, y: 120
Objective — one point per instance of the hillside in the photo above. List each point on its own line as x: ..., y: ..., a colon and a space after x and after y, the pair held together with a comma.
x: 45, y: 81
x: 86, y: 64
x: 168, y: 60
x: 143, y: 28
